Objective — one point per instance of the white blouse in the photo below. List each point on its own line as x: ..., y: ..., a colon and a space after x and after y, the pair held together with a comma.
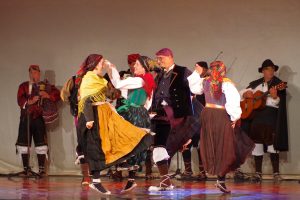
x: 232, y: 95
x: 128, y: 84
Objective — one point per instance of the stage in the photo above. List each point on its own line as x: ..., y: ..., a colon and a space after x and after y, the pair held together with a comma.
x: 69, y: 187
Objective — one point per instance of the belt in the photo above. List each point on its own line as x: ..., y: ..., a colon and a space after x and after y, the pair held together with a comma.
x: 210, y: 105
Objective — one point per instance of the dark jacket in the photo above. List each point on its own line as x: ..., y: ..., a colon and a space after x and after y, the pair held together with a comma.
x: 281, y: 134
x: 179, y: 91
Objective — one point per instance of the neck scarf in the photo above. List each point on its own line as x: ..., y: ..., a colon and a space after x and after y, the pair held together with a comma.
x: 149, y: 85
x: 92, y: 86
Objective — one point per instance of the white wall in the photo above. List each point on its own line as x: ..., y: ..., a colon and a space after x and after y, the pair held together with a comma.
x: 59, y: 34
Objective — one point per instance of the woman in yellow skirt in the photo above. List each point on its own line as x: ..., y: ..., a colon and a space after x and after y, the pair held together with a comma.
x: 107, y: 139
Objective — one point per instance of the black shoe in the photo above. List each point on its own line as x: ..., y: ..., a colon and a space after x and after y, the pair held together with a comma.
x: 23, y: 173
x: 27, y: 172
x: 257, y: 177
x: 202, y: 177
x: 222, y: 187
x: 42, y: 173
x: 277, y: 178
x: 97, y: 186
x: 186, y: 176
x: 240, y: 176
x: 130, y: 185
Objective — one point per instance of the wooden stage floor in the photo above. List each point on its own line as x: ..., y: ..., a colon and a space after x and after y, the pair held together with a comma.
x: 69, y: 187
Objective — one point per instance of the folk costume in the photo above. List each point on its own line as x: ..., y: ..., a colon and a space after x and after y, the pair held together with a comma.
x: 32, y: 116
x: 135, y: 106
x: 222, y: 147
x: 268, y: 126
x: 174, y: 115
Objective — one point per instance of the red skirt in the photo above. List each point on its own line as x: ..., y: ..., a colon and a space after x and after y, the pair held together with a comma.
x: 223, y: 149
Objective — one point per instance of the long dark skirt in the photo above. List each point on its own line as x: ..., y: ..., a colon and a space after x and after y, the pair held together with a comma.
x: 223, y: 148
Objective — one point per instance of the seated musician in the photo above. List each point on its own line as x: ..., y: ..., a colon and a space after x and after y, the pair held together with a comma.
x: 268, y: 125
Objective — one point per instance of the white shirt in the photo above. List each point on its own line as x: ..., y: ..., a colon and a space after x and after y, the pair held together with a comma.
x: 232, y: 95
x: 128, y: 84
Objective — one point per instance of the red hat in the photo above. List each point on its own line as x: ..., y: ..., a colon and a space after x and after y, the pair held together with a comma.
x: 164, y: 52
x: 133, y: 57
x: 34, y: 67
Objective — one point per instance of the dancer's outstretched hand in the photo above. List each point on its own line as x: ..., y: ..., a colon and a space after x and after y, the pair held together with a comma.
x: 184, y: 147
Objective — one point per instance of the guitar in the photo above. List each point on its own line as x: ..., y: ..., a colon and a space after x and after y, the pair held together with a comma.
x: 258, y: 101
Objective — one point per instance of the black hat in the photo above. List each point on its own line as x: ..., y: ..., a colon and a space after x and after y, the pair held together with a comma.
x: 202, y: 64
x: 267, y: 63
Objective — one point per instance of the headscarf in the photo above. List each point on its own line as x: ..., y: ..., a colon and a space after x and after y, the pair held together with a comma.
x: 218, y: 72
x: 89, y: 64
x: 148, y: 64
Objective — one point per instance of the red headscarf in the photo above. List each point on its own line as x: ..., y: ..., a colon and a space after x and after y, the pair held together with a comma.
x: 132, y: 58
x: 218, y: 72
x: 149, y: 85
x: 89, y: 64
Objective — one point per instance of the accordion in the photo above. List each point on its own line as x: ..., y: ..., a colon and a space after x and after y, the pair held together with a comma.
x: 49, y: 109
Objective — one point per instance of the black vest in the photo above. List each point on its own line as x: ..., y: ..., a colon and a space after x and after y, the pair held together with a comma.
x: 180, y: 93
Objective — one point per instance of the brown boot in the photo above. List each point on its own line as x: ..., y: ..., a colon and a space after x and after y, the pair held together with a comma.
x: 148, y: 165
x: 202, y: 175
x: 165, y: 181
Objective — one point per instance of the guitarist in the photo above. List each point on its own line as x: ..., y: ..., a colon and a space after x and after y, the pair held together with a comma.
x: 268, y: 126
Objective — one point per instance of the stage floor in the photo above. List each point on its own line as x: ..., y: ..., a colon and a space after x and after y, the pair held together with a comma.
x: 62, y: 188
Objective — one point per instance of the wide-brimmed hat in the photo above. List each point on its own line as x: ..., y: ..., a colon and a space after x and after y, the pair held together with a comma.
x: 267, y: 63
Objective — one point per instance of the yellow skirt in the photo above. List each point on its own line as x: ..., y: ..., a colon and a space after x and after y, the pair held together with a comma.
x: 118, y: 136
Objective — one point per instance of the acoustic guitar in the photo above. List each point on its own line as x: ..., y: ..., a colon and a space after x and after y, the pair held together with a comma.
x: 258, y: 101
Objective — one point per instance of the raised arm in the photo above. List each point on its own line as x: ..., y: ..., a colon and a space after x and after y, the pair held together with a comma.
x: 128, y: 83
x: 195, y: 83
